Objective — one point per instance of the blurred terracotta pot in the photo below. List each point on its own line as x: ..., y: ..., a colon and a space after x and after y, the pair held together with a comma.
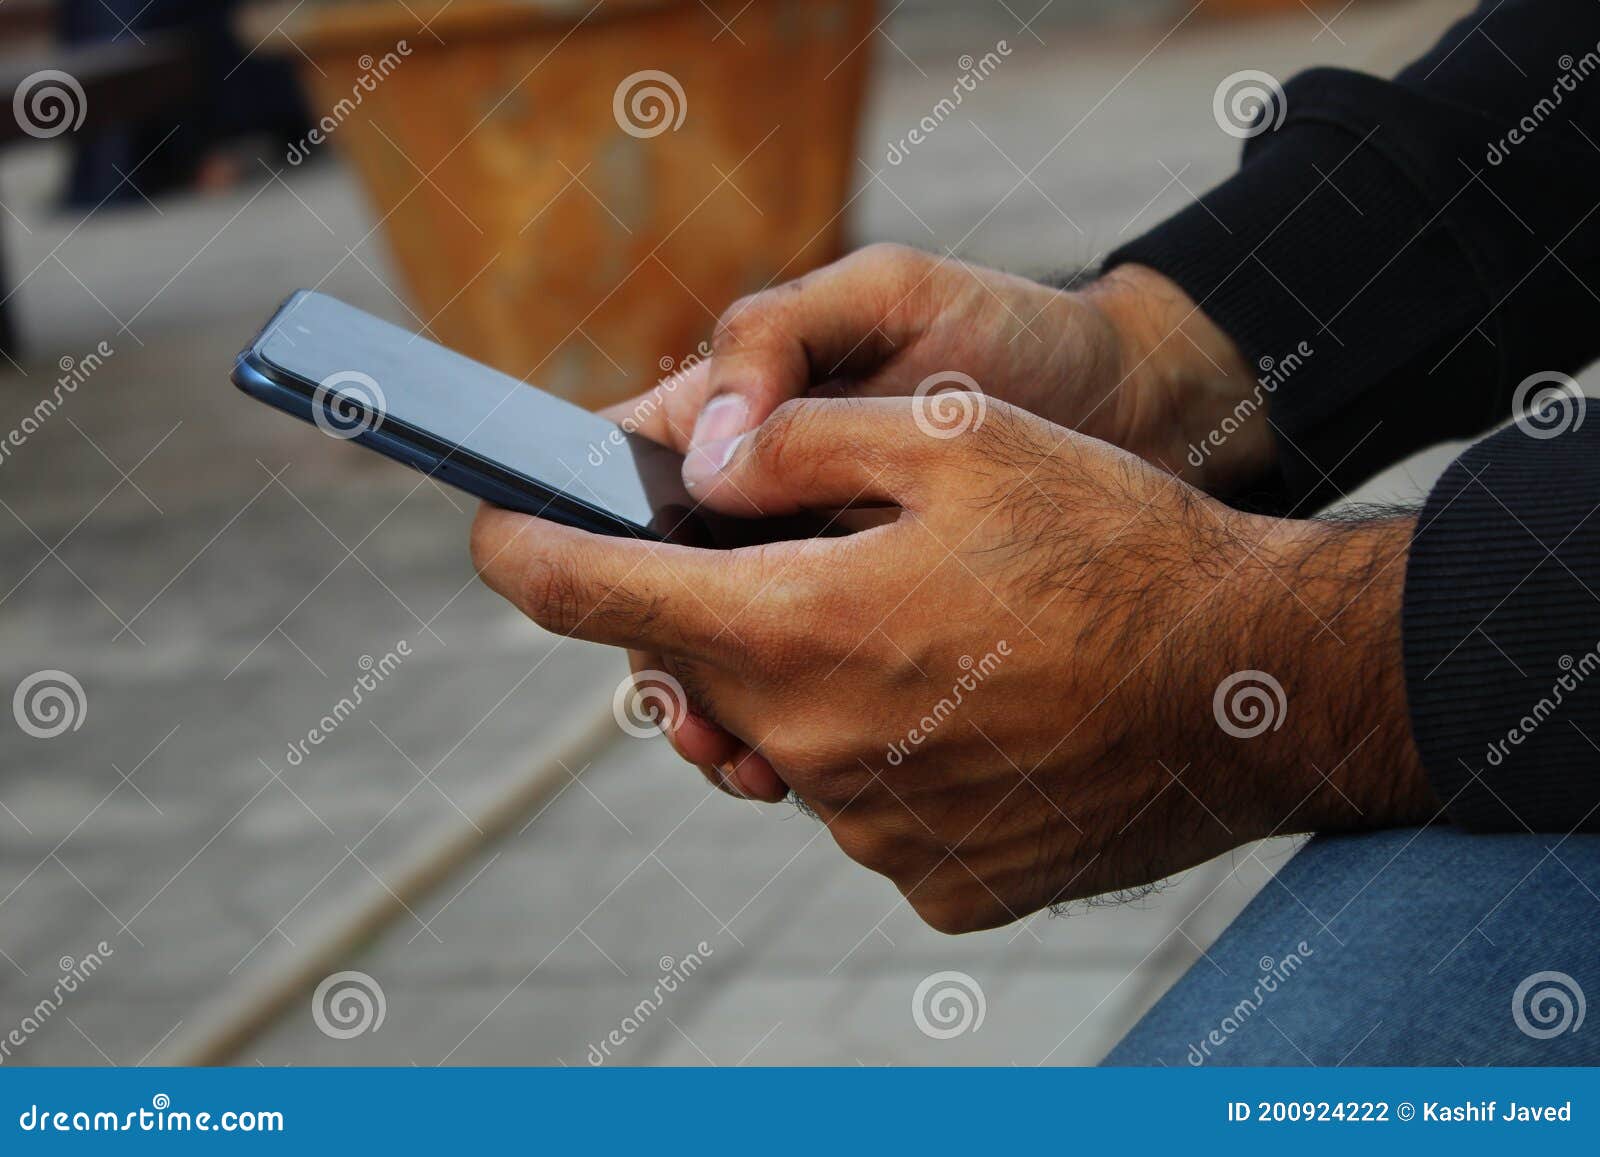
x: 573, y: 193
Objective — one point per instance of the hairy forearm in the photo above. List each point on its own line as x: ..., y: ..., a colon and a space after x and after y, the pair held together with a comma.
x: 1317, y: 606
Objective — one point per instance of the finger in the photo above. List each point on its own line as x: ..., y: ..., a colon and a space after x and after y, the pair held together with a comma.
x: 694, y: 737
x: 755, y: 778
x: 725, y: 761
x: 847, y: 318
x: 619, y: 591
x: 817, y: 454
x: 703, y: 743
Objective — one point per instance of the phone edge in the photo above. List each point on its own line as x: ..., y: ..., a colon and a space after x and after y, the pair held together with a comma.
x: 457, y: 467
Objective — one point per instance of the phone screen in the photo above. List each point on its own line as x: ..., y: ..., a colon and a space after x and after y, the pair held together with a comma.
x: 417, y: 383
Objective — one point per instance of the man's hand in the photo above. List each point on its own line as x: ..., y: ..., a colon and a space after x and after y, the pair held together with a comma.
x: 1058, y: 673
x: 1129, y: 359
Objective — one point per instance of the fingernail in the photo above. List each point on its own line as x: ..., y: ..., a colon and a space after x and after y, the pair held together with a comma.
x: 716, y: 435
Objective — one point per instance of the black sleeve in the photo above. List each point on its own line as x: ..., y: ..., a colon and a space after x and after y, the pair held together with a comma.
x: 1502, y: 628
x: 1434, y: 241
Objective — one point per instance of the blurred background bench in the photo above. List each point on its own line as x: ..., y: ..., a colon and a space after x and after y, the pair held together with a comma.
x: 121, y: 84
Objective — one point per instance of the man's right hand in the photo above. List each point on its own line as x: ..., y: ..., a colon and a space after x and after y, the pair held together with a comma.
x: 1128, y: 359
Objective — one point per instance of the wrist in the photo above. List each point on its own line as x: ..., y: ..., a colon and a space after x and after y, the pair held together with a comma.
x: 1189, y: 399
x: 1316, y: 606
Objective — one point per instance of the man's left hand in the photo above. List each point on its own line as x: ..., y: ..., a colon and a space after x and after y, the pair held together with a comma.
x: 1059, y: 672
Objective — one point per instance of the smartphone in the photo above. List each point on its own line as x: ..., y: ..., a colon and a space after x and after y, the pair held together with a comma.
x: 361, y: 379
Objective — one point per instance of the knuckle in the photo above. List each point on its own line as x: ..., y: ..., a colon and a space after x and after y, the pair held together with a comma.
x: 951, y: 905
x: 780, y: 442
x: 1005, y: 442
x: 811, y: 763
x: 795, y: 760
x: 790, y: 593
x: 892, y: 258
x: 948, y: 917
x: 948, y: 909
x: 549, y: 594
x: 865, y: 843
x: 747, y: 316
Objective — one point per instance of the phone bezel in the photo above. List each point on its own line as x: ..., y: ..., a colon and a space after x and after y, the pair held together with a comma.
x: 455, y: 465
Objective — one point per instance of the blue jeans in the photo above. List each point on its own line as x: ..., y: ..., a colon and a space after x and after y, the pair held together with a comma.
x: 1410, y: 947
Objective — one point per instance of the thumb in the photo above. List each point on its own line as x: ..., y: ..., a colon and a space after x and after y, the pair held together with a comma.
x: 826, y: 454
x: 847, y: 319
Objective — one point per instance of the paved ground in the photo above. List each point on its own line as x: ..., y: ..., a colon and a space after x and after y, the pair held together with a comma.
x: 213, y: 575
